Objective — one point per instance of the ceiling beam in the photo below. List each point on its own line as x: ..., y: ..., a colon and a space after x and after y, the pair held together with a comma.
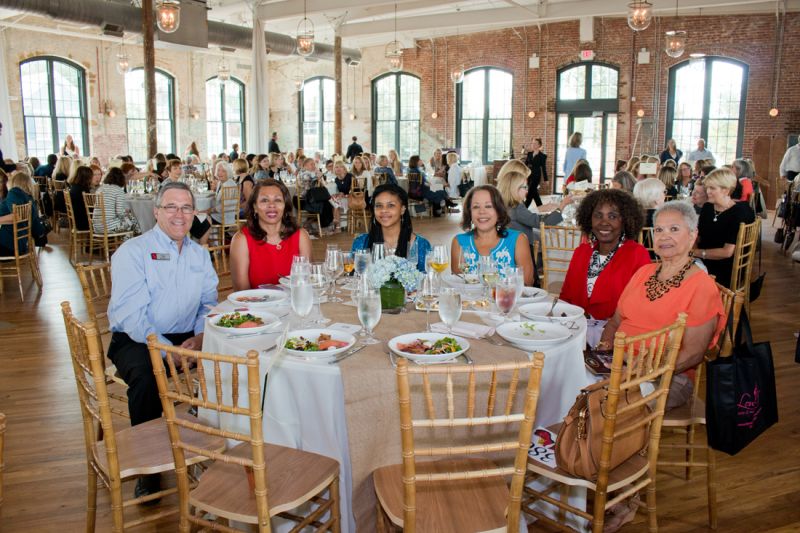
x: 294, y: 8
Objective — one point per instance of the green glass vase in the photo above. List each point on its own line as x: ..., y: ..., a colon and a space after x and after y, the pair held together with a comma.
x: 393, y: 296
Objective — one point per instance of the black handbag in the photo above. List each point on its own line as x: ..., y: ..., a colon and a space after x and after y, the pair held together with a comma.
x: 779, y: 235
x: 741, y: 401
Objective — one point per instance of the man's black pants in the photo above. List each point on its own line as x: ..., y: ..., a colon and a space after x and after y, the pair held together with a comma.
x: 132, y: 360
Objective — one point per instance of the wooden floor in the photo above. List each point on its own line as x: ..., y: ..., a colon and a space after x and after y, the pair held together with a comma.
x: 45, y: 482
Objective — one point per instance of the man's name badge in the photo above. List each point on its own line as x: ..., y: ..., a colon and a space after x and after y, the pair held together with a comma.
x: 159, y: 257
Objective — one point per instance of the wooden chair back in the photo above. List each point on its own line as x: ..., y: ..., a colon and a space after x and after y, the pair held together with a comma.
x: 647, y: 239
x: 359, y: 184
x: 220, y: 258
x: 744, y: 256
x: 2, y: 454
x: 229, y: 196
x: 96, y: 285
x: 212, y: 396
x: 70, y: 213
x: 93, y: 203
x: 21, y: 229
x: 380, y: 177
x: 648, y: 357
x: 558, y: 245
x: 495, y: 382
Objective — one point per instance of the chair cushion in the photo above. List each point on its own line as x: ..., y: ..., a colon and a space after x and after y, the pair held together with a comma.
x: 293, y: 477
x: 446, y: 507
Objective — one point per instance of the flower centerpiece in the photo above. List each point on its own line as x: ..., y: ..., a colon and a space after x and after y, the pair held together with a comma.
x: 393, y: 276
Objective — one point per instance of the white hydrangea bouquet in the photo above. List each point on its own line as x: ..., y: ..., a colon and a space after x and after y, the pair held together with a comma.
x: 394, y: 268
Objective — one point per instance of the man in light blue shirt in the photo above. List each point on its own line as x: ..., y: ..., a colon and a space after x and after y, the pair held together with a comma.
x: 701, y: 153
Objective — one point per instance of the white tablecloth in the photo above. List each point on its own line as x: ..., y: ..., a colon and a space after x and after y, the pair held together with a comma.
x: 304, y: 407
x: 142, y: 207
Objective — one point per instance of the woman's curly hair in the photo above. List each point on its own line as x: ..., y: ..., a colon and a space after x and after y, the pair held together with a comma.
x: 629, y: 209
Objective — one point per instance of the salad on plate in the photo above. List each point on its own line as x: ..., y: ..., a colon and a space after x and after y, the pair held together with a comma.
x: 444, y: 345
x: 323, y: 343
x: 240, y: 320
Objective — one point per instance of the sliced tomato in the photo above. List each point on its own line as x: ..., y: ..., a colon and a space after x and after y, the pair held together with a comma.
x: 328, y: 344
x: 249, y: 324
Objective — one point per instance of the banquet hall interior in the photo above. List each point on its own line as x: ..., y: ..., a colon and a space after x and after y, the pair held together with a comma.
x: 558, y: 121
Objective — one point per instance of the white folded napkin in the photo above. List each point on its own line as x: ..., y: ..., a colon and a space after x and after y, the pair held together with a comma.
x: 465, y: 329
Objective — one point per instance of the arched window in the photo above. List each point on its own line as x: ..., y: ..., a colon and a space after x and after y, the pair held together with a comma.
x: 588, y: 102
x: 135, y: 110
x: 53, y: 105
x: 395, y: 114
x: 706, y: 100
x: 317, y: 101
x: 483, y: 114
x: 224, y: 115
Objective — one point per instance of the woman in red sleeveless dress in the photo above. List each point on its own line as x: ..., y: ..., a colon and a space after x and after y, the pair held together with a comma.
x: 262, y: 251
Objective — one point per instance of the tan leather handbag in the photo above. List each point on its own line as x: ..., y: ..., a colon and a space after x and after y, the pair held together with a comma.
x: 580, y: 439
x: 356, y: 200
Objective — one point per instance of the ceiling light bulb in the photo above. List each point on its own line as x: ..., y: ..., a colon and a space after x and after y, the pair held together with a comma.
x: 457, y: 75
x: 640, y: 15
x: 773, y: 112
x: 675, y: 43
x: 168, y: 15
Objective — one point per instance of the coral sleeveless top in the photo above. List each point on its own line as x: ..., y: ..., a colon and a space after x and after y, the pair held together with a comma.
x: 268, y: 262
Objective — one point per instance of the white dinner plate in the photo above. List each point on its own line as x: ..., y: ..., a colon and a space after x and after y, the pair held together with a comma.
x: 313, y: 335
x: 268, y: 318
x: 562, y: 311
x: 257, y: 297
x: 433, y: 337
x: 463, y: 281
x: 533, y: 294
x: 528, y: 333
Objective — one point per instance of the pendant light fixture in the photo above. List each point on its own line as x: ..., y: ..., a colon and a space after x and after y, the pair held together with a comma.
x: 298, y: 82
x: 305, y: 35
x: 223, y: 72
x: 168, y: 15
x: 675, y: 40
x: 457, y: 74
x: 394, y: 50
x: 640, y: 15
x: 123, y: 64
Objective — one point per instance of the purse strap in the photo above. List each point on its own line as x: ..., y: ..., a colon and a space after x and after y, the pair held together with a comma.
x: 744, y: 328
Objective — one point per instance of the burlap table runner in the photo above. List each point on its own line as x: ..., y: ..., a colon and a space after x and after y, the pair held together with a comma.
x: 370, y: 394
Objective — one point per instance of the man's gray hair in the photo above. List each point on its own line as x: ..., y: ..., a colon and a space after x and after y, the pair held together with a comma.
x: 170, y: 186
x: 685, y: 209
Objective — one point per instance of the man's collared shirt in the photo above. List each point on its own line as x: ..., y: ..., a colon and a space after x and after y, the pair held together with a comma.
x: 697, y: 155
x: 156, y: 289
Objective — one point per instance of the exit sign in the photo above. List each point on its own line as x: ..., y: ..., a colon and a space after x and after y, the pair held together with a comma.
x: 587, y: 55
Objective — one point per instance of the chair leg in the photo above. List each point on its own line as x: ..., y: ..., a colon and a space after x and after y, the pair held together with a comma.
x: 91, y: 503
x: 19, y: 279
x: 712, y: 487
x: 336, y: 527
x: 117, y: 516
x: 652, y: 517
x: 35, y: 272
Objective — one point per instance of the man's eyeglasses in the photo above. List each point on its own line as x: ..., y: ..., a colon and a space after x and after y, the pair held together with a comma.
x: 172, y: 209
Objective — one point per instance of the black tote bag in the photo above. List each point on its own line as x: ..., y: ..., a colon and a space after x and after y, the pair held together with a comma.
x: 741, y: 401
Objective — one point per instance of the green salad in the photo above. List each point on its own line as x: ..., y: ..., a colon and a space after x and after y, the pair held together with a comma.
x: 421, y: 346
x: 531, y: 328
x: 240, y: 320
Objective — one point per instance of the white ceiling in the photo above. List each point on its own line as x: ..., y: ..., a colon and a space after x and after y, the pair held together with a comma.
x: 371, y: 22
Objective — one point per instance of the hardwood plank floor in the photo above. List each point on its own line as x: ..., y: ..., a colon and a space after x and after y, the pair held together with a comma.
x: 45, y: 481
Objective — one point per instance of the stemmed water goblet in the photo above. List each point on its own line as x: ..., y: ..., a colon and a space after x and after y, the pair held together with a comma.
x: 368, y: 302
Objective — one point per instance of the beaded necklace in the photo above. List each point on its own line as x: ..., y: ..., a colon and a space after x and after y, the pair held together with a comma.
x: 655, y: 288
x: 595, y: 265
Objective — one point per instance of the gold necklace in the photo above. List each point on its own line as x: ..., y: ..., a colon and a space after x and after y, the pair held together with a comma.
x: 655, y: 288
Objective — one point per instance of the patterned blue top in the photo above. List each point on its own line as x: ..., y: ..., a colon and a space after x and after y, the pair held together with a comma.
x: 503, y: 253
x: 417, y: 253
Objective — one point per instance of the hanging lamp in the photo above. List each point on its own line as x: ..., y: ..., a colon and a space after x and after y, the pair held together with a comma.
x: 305, y: 35
x: 640, y: 15
x: 168, y: 15
x: 675, y: 40
x: 457, y: 74
x: 394, y: 50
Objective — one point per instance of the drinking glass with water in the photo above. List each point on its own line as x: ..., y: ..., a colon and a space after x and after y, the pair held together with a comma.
x: 368, y: 302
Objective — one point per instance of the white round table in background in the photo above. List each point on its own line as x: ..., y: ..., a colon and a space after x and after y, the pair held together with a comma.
x: 142, y: 207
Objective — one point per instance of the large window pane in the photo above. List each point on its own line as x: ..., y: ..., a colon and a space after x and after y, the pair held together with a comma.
x: 604, y: 82
x: 611, y: 145
x: 395, y: 120
x: 317, y: 103
x: 572, y: 84
x: 53, y: 105
x: 484, y: 115
x: 135, y: 110
x: 224, y: 115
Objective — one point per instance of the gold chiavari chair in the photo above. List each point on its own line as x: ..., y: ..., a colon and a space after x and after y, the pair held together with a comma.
x: 220, y: 258
x: 743, y: 258
x: 685, y: 418
x: 301, y: 212
x: 24, y: 249
x: 558, y: 245
x: 56, y: 187
x: 649, y: 357
x: 103, y: 240
x: 251, y: 481
x: 465, y: 490
x: 117, y: 456
x: 358, y: 216
x: 78, y: 239
x: 415, y: 182
x: 229, y: 196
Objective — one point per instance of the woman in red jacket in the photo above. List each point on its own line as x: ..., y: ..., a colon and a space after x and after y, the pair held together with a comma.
x: 601, y: 268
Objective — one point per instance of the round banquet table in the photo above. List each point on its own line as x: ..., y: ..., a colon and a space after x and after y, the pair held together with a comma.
x: 142, y: 207
x: 349, y: 412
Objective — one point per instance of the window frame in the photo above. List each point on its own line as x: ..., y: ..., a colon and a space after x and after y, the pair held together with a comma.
x: 243, y: 117
x: 585, y: 107
x: 486, y: 119
x: 173, y: 129
x: 708, y: 62
x: 50, y: 59
x: 301, y: 112
x: 398, y: 107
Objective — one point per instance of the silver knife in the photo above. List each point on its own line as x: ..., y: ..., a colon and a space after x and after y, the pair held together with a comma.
x: 347, y: 354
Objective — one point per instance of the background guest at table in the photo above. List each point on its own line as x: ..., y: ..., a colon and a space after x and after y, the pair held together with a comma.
x: 650, y: 194
x: 485, y: 222
x: 453, y: 175
x: 623, y: 180
x: 581, y: 177
x: 436, y: 198
x: 61, y: 173
x: 260, y: 168
x: 20, y: 192
x: 354, y: 150
x: 600, y: 268
x: 683, y: 184
x: 97, y: 176
x: 234, y: 155
x: 291, y: 167
x: 221, y: 182
x: 701, y: 153
x: 383, y: 168
x: 719, y: 224
x: 245, y: 182
x: 314, y: 196
x: 536, y: 161
x: 436, y: 164
x: 129, y: 169
x: 118, y: 216
x: 671, y: 152
x: 669, y: 176
x: 167, y: 295
x: 192, y: 149
x: 743, y: 169
x: 262, y: 251
x: 273, y: 147
x: 391, y: 225
x: 70, y: 148
x: 81, y: 183
x: 343, y: 179
x: 513, y: 186
x: 573, y: 153
x: 359, y: 171
x: 699, y: 196
x: 631, y: 162
x: 47, y: 169
x: 172, y: 171
x: 395, y: 163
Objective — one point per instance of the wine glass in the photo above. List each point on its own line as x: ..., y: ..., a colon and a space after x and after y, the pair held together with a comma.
x: 302, y: 295
x: 319, y: 283
x: 378, y: 252
x: 505, y: 295
x: 368, y: 302
x: 487, y: 268
x: 518, y: 275
x: 427, y: 294
x: 362, y: 260
x: 441, y: 259
x: 348, y: 263
x: 463, y: 264
x: 333, y: 268
x: 449, y: 307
